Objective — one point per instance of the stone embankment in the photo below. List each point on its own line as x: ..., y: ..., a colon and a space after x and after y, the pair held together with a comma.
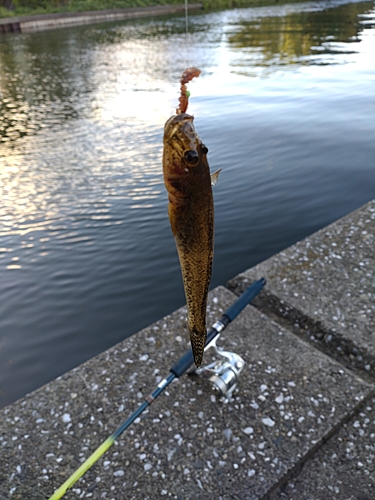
x: 301, y: 424
x: 26, y: 24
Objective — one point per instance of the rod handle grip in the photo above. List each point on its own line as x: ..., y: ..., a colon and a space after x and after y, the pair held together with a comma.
x: 247, y: 296
x: 183, y: 364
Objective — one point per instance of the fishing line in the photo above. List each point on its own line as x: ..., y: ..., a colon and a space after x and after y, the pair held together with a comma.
x: 187, y: 45
x: 186, y: 18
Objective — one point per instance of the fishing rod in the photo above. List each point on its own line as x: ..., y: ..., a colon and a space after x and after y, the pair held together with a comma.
x: 224, y: 378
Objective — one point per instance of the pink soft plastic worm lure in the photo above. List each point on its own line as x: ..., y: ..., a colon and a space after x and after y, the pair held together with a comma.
x: 187, y: 75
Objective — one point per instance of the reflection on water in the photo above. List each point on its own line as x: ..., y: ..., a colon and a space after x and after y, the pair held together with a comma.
x: 299, y: 37
x: 285, y: 104
x: 46, y: 81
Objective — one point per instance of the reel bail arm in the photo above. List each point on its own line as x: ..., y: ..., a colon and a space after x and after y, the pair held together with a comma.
x: 223, y: 373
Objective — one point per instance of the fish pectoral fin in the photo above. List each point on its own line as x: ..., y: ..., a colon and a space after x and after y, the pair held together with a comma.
x: 215, y: 176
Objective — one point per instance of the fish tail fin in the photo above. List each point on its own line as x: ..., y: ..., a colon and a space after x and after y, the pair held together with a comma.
x: 198, y: 342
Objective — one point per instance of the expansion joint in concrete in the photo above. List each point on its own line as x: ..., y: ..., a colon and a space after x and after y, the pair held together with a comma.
x: 274, y: 492
x: 331, y: 343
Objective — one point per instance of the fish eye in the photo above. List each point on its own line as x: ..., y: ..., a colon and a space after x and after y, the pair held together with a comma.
x: 191, y: 157
x: 204, y: 149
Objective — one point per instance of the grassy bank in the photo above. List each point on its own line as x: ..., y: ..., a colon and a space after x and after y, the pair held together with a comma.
x: 11, y: 8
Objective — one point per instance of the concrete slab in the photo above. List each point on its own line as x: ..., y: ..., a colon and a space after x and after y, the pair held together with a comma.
x: 290, y: 399
x: 343, y: 468
x: 325, y: 287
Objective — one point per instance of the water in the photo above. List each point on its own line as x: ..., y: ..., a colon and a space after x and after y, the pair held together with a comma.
x: 285, y: 105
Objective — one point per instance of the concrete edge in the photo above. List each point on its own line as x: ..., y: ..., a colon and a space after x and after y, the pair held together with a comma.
x: 311, y: 329
x: 26, y: 24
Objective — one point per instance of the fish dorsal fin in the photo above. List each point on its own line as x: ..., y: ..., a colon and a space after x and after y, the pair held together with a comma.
x: 215, y: 176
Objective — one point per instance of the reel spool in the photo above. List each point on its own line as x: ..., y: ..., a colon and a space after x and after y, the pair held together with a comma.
x: 222, y: 374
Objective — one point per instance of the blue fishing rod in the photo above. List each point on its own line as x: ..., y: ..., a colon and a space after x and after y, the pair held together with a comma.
x: 223, y: 377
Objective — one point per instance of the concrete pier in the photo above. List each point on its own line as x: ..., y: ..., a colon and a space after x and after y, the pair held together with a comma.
x: 301, y: 424
x: 27, y: 24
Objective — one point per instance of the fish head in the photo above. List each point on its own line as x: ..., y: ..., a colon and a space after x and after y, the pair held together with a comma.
x: 182, y: 142
x: 185, y: 164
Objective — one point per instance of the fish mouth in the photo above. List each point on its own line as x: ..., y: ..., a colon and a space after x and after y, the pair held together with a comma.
x: 175, y: 123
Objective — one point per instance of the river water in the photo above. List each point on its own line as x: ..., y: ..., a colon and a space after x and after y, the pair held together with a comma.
x: 285, y: 104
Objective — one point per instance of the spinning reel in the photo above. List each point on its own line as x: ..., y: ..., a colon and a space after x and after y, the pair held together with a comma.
x: 222, y: 374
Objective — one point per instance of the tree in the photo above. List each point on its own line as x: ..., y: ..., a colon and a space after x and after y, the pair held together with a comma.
x: 8, y: 4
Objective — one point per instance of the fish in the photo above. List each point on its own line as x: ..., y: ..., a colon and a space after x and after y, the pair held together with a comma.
x: 188, y: 182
